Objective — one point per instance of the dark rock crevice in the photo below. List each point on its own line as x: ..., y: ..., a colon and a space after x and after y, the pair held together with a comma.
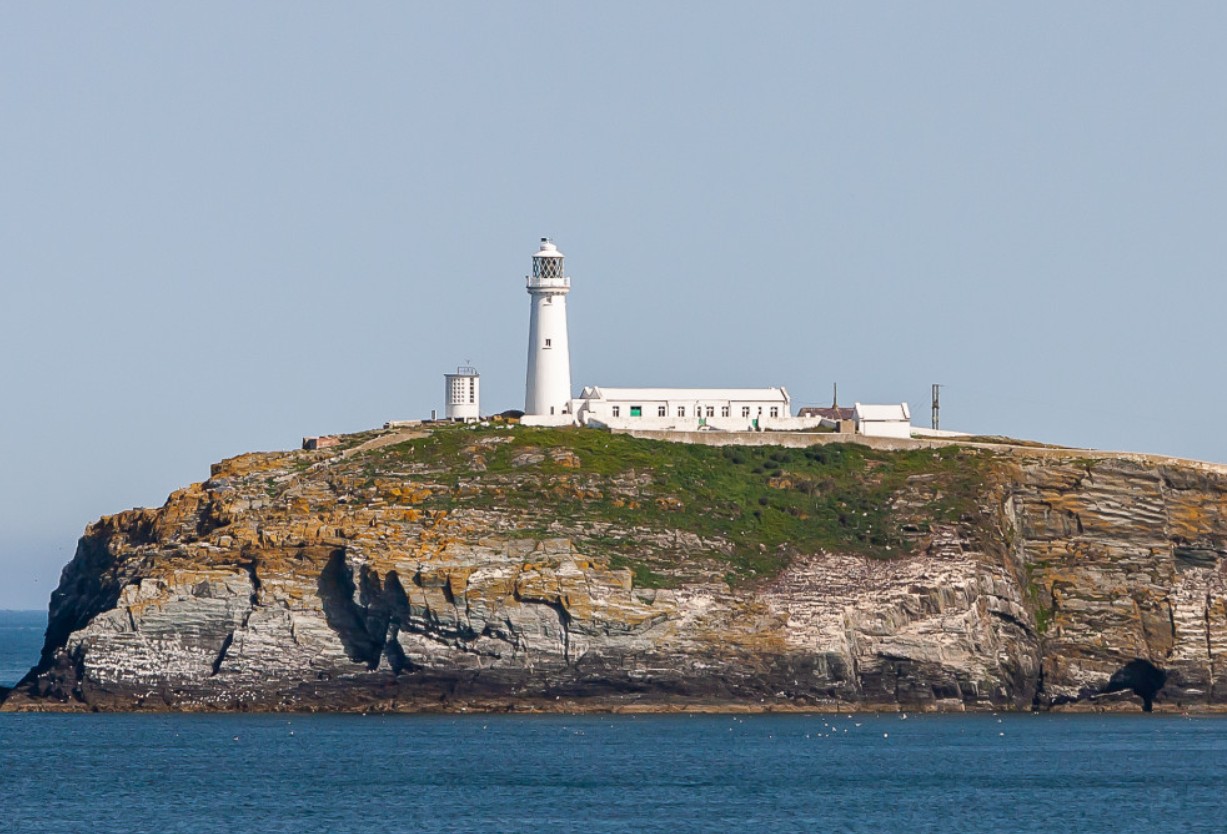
x: 1140, y: 676
x: 1038, y: 699
x: 1192, y: 556
x: 221, y: 654
x: 344, y: 615
x: 1007, y: 617
x: 564, y: 625
x: 253, y: 573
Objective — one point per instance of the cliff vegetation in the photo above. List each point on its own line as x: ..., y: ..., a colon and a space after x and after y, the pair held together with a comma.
x: 505, y: 567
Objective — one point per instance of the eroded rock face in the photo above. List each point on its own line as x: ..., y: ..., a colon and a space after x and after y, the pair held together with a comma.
x: 313, y: 580
x: 1125, y: 560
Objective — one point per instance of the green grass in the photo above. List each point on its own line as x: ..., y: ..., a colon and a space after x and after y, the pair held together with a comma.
x: 1043, y: 613
x: 1043, y: 619
x: 763, y: 504
x: 644, y: 576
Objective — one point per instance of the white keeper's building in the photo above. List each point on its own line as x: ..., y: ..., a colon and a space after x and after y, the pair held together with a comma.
x: 725, y: 409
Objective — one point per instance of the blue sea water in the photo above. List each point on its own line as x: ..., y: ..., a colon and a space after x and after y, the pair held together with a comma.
x: 611, y: 774
x: 21, y: 639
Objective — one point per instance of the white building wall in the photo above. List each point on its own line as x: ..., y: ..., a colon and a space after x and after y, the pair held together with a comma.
x: 694, y: 424
x: 462, y: 395
x: 883, y: 420
x: 548, y: 387
x: 555, y: 420
x: 918, y: 431
x: 683, y: 409
x: 886, y: 428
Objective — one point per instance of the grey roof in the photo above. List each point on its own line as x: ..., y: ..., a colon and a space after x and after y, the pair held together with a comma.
x: 832, y: 413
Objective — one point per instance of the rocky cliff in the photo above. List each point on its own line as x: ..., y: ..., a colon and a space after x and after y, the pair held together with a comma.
x: 505, y: 567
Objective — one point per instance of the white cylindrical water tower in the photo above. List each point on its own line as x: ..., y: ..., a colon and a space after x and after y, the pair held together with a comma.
x: 548, y: 390
x: 463, y: 394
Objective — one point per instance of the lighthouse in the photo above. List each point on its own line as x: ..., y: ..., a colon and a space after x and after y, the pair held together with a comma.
x: 548, y: 388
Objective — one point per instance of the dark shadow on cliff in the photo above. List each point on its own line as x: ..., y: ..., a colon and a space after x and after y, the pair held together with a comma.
x: 344, y: 615
x: 88, y: 586
x: 1142, y: 677
x: 396, y: 602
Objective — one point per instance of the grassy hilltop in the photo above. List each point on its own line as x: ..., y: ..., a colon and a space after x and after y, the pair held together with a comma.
x: 454, y: 567
x: 752, y: 507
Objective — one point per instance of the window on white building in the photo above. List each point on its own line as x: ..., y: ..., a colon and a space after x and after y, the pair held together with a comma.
x: 745, y: 411
x: 711, y: 411
x: 681, y: 411
x: 724, y: 411
x: 775, y: 411
x: 547, y: 342
x: 617, y: 411
x: 662, y: 411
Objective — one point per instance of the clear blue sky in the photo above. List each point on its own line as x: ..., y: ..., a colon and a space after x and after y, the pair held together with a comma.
x: 227, y: 225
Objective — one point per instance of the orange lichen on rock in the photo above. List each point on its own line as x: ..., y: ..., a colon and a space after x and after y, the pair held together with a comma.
x: 386, y: 577
x: 256, y: 462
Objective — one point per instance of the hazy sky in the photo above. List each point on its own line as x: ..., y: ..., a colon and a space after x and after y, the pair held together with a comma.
x: 224, y: 226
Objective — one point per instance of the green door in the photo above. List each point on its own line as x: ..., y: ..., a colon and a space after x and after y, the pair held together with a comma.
x: 636, y: 411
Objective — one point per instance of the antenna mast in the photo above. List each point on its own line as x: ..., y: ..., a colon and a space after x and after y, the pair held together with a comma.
x: 937, y: 405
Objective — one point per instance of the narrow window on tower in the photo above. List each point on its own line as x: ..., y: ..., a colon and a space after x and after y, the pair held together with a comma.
x: 547, y: 342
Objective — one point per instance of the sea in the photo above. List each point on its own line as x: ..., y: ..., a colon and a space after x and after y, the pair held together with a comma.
x: 21, y: 639
x: 612, y: 774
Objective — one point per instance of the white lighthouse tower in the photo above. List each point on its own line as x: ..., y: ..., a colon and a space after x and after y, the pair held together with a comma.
x: 548, y: 390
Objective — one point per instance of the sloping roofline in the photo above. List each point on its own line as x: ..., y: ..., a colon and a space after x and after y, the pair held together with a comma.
x: 598, y: 392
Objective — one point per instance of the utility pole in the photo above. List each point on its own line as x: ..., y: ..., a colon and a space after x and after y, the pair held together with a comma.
x: 937, y: 405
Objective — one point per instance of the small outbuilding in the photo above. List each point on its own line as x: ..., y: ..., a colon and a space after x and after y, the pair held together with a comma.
x: 892, y: 420
x: 463, y: 393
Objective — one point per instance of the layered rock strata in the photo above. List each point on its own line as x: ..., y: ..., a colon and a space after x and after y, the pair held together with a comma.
x: 363, y: 578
